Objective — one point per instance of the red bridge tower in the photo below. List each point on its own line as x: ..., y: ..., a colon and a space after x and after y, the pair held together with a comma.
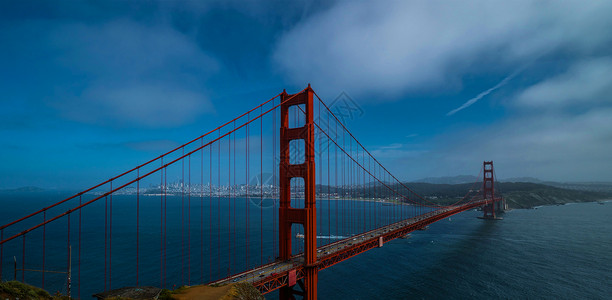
x: 288, y: 215
x: 488, y: 192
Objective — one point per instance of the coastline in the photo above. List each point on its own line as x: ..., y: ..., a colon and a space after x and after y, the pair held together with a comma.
x: 603, y: 200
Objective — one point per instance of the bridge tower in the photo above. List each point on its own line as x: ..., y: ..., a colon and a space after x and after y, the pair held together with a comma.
x: 306, y: 170
x: 488, y: 189
x: 488, y: 192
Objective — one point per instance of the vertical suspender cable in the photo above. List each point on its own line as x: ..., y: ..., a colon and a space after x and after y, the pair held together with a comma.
x: 234, y: 253
x: 79, y: 258
x: 274, y: 182
x: 261, y: 185
x: 273, y: 185
x: 161, y: 225
x: 246, y: 202
x: 336, y: 183
x: 363, y: 204
x: 231, y: 194
x: 110, y: 239
x: 202, y: 211
x: 351, y: 190
x: 165, y: 242
x: 1, y: 251
x: 189, y: 223
x: 219, y: 204
x: 210, y: 214
x: 43, y: 247
x: 328, y: 183
x: 23, y: 255
x: 343, y: 190
x: 370, y: 194
x: 183, y: 218
x: 105, y: 240
x: 69, y: 258
x: 137, y: 223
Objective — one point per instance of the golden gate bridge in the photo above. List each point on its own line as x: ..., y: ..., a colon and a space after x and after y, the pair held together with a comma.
x: 249, y: 201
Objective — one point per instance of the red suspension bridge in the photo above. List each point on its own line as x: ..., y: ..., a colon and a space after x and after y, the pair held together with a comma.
x: 244, y: 202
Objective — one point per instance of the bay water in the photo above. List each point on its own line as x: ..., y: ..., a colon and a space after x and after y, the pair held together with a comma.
x: 553, y: 252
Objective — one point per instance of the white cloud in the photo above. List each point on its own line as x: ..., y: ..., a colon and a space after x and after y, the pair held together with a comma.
x: 587, y: 82
x: 557, y: 129
x: 399, y: 46
x: 558, y: 147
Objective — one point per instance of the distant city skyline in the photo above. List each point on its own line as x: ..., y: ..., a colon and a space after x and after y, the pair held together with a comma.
x: 93, y: 88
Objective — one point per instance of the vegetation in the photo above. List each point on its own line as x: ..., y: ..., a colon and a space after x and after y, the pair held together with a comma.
x: 237, y: 291
x: 537, y: 195
x: 243, y: 291
x: 14, y: 290
x: 517, y: 194
x: 165, y: 294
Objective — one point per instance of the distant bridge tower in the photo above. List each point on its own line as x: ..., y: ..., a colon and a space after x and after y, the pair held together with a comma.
x: 307, y: 215
x: 488, y: 192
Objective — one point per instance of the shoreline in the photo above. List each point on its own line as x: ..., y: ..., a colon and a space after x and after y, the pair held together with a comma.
x: 605, y: 200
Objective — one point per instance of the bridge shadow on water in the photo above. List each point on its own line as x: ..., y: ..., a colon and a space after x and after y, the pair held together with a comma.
x: 450, y: 260
x: 455, y: 258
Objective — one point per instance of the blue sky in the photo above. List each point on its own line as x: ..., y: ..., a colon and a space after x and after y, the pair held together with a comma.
x: 443, y: 85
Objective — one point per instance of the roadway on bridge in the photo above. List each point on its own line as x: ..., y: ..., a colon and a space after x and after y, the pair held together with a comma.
x: 281, y: 268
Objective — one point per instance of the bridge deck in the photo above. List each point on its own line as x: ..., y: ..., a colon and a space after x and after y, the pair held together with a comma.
x: 274, y: 275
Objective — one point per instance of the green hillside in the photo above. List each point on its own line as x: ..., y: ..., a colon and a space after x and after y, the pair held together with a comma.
x: 517, y: 194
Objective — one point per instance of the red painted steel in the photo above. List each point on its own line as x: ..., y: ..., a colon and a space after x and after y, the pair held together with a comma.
x: 306, y: 170
x: 113, y: 190
x: 292, y: 278
x: 281, y: 280
x: 488, y: 191
x: 350, y: 167
x: 370, y: 154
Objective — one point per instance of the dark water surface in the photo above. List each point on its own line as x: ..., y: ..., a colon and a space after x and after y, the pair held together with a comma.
x: 556, y: 252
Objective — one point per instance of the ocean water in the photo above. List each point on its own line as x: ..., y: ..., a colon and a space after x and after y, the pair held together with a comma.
x: 202, y: 240
x: 553, y: 252
x: 556, y: 252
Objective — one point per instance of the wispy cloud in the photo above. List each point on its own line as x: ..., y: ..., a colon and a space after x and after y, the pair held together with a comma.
x: 587, y: 82
x: 552, y: 146
x: 414, y: 46
x: 483, y: 94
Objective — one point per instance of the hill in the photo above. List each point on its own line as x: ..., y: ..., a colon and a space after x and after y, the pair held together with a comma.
x: 448, y: 179
x: 528, y: 195
x: 517, y: 194
x: 24, y: 189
